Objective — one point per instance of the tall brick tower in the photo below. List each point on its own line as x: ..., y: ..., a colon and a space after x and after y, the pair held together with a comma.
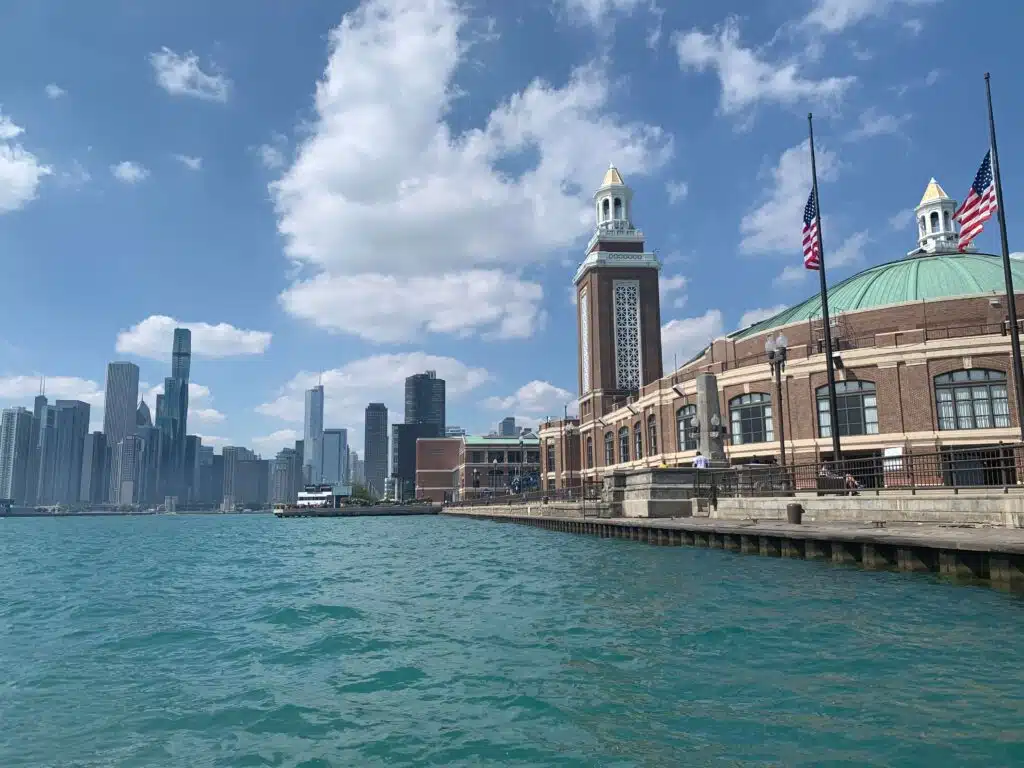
x: 619, y: 309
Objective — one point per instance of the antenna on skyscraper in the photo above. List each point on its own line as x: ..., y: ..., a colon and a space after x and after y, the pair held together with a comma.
x: 320, y: 378
x: 42, y: 385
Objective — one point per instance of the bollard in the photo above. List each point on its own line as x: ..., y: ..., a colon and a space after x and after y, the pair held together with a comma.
x: 794, y: 513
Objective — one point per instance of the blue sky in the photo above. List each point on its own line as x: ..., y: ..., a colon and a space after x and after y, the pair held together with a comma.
x: 370, y: 190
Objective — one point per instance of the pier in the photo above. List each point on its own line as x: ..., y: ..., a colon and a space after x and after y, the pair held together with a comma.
x: 352, y: 511
x: 993, y: 556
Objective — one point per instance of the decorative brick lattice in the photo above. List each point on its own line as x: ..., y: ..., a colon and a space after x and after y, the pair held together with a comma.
x: 627, y: 334
x: 585, y: 338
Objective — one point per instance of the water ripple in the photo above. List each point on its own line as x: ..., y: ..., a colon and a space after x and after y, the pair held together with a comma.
x: 238, y: 641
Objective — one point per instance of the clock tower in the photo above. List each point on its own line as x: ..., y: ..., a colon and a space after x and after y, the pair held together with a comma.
x: 618, y: 305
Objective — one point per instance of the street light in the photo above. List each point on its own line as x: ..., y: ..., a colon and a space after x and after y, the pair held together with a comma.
x: 776, y: 351
x: 494, y: 475
x: 521, y: 458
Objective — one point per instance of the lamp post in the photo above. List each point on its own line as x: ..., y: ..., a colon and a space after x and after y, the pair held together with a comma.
x: 476, y: 481
x: 494, y: 475
x: 522, y: 457
x: 776, y: 350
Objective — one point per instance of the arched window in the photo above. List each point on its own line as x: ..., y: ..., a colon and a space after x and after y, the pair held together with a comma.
x: 618, y: 209
x: 974, y: 399
x: 857, y: 405
x: 935, y: 221
x: 623, y: 444
x: 638, y: 441
x: 550, y: 458
x: 652, y: 435
x: 686, y: 437
x: 605, y: 210
x: 590, y: 452
x: 609, y: 449
x: 751, y: 417
x: 947, y: 221
x: 920, y: 223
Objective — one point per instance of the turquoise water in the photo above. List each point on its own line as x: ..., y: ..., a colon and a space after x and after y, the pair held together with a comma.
x: 242, y: 641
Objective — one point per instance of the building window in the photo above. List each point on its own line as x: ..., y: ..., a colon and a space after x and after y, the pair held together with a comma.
x: 550, y: 446
x: 935, y: 221
x: 922, y: 227
x: 652, y: 435
x: 533, y: 457
x: 495, y: 456
x: 515, y: 457
x: 476, y: 457
x: 687, y: 439
x: 638, y: 441
x: 949, y: 224
x: 751, y: 417
x: 857, y: 404
x: 974, y: 399
x: 623, y: 444
x: 590, y: 452
x: 609, y: 449
x: 618, y: 208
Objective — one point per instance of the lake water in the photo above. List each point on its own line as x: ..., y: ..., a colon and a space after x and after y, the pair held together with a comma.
x: 243, y: 641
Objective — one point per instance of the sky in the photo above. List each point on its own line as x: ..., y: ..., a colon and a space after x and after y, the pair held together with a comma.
x: 353, y: 193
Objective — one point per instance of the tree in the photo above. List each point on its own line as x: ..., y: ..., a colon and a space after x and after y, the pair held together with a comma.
x: 361, y: 493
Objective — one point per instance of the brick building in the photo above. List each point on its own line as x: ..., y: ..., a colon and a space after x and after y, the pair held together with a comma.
x: 460, y: 467
x: 921, y: 345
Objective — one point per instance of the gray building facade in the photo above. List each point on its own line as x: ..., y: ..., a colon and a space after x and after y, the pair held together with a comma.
x: 375, y: 447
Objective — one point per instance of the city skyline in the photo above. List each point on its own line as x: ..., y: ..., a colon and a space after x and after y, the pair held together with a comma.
x: 449, y: 246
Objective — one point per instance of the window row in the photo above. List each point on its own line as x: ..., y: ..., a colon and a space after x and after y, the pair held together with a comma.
x: 966, y: 399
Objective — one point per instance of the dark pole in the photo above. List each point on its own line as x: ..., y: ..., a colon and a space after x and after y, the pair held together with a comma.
x: 837, y: 454
x: 1011, y: 303
x: 777, y: 365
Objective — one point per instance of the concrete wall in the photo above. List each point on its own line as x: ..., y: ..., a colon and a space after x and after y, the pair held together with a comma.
x: 948, y: 509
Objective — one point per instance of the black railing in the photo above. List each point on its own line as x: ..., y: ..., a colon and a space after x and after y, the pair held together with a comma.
x: 952, y: 469
x: 476, y: 497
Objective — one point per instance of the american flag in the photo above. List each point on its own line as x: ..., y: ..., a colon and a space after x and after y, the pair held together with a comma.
x: 812, y: 250
x: 979, y: 206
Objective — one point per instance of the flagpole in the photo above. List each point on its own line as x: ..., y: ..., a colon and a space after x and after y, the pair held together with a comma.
x: 833, y: 408
x: 1011, y: 303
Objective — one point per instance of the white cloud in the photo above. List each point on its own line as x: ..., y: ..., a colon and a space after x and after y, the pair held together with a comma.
x: 54, y: 91
x: 752, y: 316
x: 24, y: 388
x: 379, y: 159
x: 835, y: 16
x: 914, y: 26
x: 682, y: 339
x: 673, y: 287
x: 775, y: 225
x: 275, y: 441
x: 677, y: 190
x: 153, y: 338
x: 205, y: 415
x: 190, y: 162
x: 387, y: 308
x: 902, y: 220
x: 380, y: 378
x: 850, y: 252
x: 74, y: 178
x: 536, y: 399
x: 746, y: 77
x: 270, y: 156
x: 792, y: 274
x: 601, y: 12
x: 129, y: 172
x: 215, y: 441
x: 932, y: 77
x: 181, y: 75
x: 874, y: 123
x: 20, y: 170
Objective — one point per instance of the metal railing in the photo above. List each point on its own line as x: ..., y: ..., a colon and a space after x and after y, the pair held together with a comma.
x: 992, y: 467
x: 479, y: 497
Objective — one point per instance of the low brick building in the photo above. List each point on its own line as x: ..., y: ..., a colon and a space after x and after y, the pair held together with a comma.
x: 921, y: 347
x: 450, y: 468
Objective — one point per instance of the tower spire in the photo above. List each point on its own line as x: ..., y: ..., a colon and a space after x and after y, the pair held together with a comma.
x: 936, y: 228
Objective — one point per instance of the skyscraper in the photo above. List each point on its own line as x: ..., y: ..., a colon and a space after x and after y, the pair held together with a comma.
x: 72, y: 427
x: 143, y: 418
x: 375, y: 447
x: 312, y: 435
x: 32, y: 476
x: 334, y: 456
x: 425, y: 401
x: 94, y: 469
x: 119, y: 401
x: 15, y: 452
x: 125, y: 470
x: 507, y: 427
x: 172, y: 417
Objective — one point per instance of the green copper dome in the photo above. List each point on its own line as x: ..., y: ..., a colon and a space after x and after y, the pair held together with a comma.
x: 920, y: 278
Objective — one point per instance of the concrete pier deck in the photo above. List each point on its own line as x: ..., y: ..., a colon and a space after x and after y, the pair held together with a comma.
x: 372, y: 511
x: 994, y: 556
